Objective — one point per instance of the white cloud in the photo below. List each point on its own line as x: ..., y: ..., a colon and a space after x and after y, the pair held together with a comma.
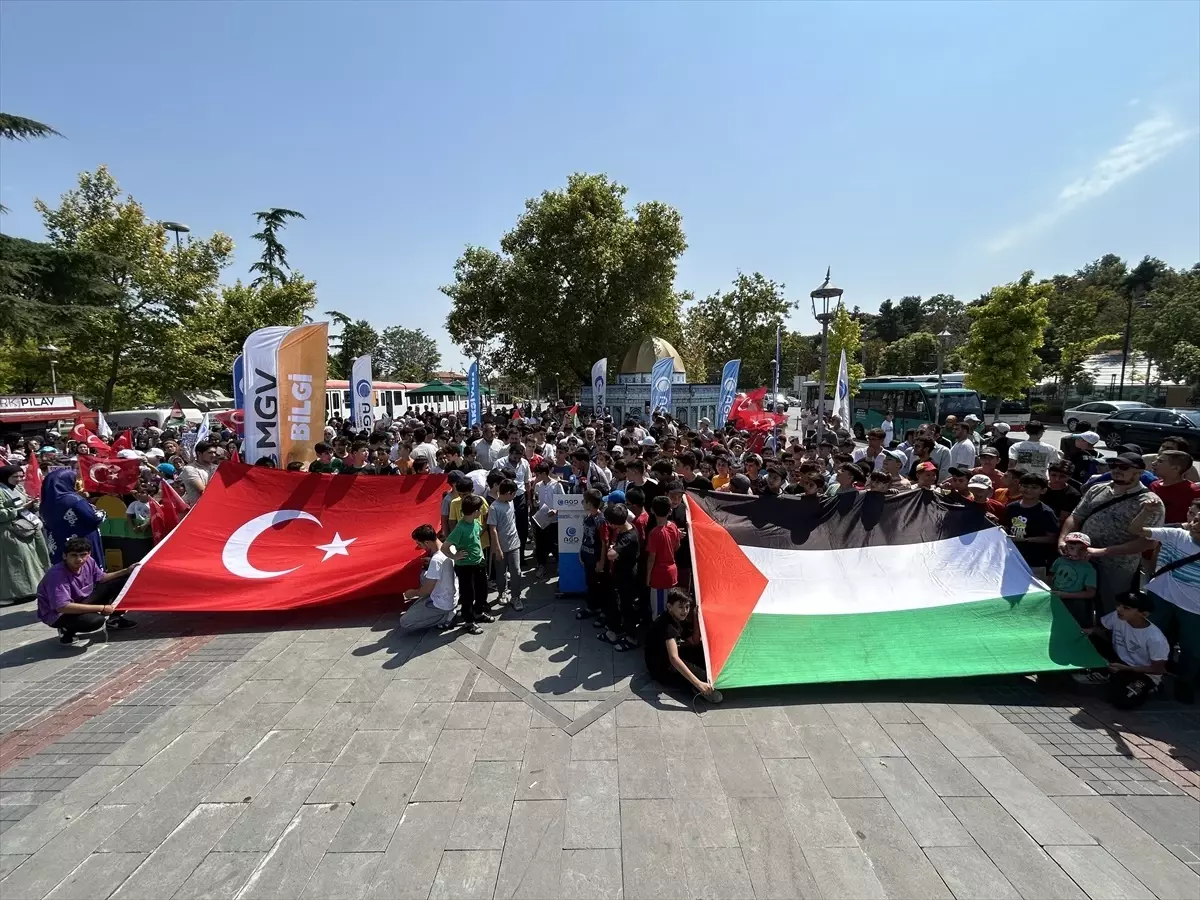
x: 1148, y: 142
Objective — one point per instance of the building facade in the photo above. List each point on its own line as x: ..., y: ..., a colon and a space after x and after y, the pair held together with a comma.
x: 628, y: 394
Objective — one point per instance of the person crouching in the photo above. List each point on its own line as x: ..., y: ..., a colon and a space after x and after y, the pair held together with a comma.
x: 72, y: 593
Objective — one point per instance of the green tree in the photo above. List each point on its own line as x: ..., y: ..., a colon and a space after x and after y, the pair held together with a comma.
x: 357, y: 337
x: 1006, y: 331
x: 1184, y: 365
x: 915, y: 354
x: 942, y: 312
x: 406, y: 354
x: 910, y: 314
x: 844, y: 334
x: 273, y: 267
x: 740, y: 323
x: 18, y: 128
x: 43, y: 288
x: 577, y: 278
x: 119, y: 350
x: 887, y: 321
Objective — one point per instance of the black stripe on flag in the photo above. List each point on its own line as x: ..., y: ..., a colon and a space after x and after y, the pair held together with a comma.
x: 861, y: 519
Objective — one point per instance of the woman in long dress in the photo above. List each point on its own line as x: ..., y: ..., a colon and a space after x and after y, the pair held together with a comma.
x: 24, y: 557
x: 67, y: 514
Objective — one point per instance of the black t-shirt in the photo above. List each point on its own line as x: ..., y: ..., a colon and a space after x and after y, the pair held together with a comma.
x: 625, y: 566
x: 359, y: 470
x: 699, y: 483
x: 652, y: 489
x: 1063, y: 501
x: 663, y: 629
x: 1039, y: 521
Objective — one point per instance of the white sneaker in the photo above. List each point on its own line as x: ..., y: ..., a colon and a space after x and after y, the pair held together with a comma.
x: 518, y: 604
x: 1096, y: 677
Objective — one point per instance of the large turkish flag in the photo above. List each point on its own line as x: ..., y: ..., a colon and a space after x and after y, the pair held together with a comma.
x: 264, y: 538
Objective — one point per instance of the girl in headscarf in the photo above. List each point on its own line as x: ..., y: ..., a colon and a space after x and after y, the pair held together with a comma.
x: 67, y: 514
x: 24, y: 557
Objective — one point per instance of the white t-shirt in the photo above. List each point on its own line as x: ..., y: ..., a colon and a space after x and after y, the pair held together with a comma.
x: 1034, y: 456
x: 427, y: 452
x: 138, y: 510
x: 962, y: 454
x: 441, y: 570
x: 861, y: 453
x: 889, y: 432
x: 521, y: 470
x: 487, y: 453
x: 1180, y: 586
x: 547, y: 492
x: 1137, y: 646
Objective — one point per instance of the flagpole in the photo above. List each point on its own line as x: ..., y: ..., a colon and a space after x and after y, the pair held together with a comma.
x: 775, y: 391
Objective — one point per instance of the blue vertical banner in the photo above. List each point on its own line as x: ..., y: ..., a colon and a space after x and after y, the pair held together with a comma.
x: 473, y: 404
x: 729, y: 381
x: 661, y: 377
x: 599, y: 385
x: 239, y: 394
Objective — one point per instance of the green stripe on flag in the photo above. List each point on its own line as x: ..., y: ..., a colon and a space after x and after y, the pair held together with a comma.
x: 1033, y: 633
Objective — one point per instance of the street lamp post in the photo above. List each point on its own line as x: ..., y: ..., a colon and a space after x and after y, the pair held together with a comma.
x: 52, y: 352
x: 179, y: 228
x: 825, y: 293
x: 943, y: 343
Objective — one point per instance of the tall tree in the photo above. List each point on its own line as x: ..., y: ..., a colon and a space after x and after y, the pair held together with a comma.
x: 19, y: 128
x: 887, y: 322
x: 740, y: 323
x: 406, y: 354
x: 845, y: 333
x: 910, y: 314
x: 1006, y: 331
x: 577, y: 278
x: 357, y: 337
x: 942, y: 312
x: 914, y: 354
x: 155, y: 287
x: 273, y: 267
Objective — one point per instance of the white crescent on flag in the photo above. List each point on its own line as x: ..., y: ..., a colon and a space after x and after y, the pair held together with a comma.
x: 235, y: 554
x: 106, y: 473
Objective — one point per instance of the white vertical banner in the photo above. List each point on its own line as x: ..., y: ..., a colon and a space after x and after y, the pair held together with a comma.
x: 362, y: 393
x: 842, y: 407
x: 102, y: 427
x: 261, y: 353
x: 599, y: 385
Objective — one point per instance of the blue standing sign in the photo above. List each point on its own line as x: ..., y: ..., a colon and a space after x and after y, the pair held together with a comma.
x: 729, y: 380
x: 473, y: 404
x: 239, y: 394
x: 661, y: 377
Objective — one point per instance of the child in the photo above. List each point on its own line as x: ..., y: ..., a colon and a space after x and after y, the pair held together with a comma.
x: 545, y: 540
x: 592, y: 549
x: 433, y: 601
x: 1074, y: 578
x: 877, y: 483
x: 1031, y: 524
x: 466, y: 551
x: 1136, y: 649
x: 662, y: 574
x: 506, y: 542
x: 621, y: 613
x: 670, y: 658
x: 138, y: 512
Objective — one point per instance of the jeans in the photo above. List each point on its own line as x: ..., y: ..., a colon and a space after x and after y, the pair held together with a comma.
x: 508, y: 568
x: 472, y: 590
x: 521, y: 509
x: 1182, y: 627
x: 1126, y: 690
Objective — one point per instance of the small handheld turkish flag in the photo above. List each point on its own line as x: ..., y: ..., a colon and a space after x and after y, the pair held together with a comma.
x: 124, y: 442
x: 81, y: 434
x: 33, y: 479
x: 109, y: 476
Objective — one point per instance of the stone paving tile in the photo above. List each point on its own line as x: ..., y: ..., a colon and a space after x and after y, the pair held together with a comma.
x: 652, y: 863
x: 263, y: 819
x: 342, y: 876
x: 838, y: 765
x: 1099, y: 874
x: 287, y: 868
x: 970, y: 874
x: 487, y: 803
x: 814, y: 816
x: 546, y: 768
x: 774, y: 860
x: 923, y: 813
x: 1174, y: 822
x: 220, y: 875
x: 410, y: 864
x: 898, y: 862
x: 1036, y: 812
x: 716, y: 873
x: 153, y: 821
x: 864, y: 735
x: 532, y: 860
x: 168, y: 867
x: 843, y: 873
x: 774, y: 735
x: 590, y: 875
x: 593, y: 814
x: 700, y: 805
x: 960, y: 738
x: 97, y: 876
x: 738, y: 764
x: 445, y: 776
x: 466, y: 875
x: 937, y: 765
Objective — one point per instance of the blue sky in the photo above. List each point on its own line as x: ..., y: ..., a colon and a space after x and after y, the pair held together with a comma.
x: 914, y: 147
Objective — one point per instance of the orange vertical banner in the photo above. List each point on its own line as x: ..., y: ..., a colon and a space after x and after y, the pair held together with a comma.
x: 303, y: 358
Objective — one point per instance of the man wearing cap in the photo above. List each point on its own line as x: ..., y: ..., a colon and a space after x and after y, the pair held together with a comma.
x: 1073, y: 578
x: 989, y: 466
x: 1104, y: 515
x: 1002, y: 442
x: 979, y: 489
x: 893, y: 460
x: 927, y: 475
x: 1082, y: 455
x: 962, y: 452
x: 972, y: 422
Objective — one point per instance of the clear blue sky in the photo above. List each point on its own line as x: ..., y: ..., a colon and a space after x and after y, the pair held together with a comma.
x: 916, y: 148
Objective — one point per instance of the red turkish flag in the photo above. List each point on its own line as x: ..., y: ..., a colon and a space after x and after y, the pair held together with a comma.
x: 269, y: 539
x: 33, y: 479
x: 109, y: 476
x: 123, y: 442
x: 166, y: 515
x: 81, y: 434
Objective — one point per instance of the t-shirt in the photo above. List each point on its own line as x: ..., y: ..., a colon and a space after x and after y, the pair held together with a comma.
x: 60, y: 586
x: 466, y: 538
x: 1062, y: 501
x: 366, y: 469
x: 545, y: 493
x: 194, y: 479
x: 520, y: 471
x: 1137, y: 646
x: 1031, y: 522
x: 488, y: 452
x: 719, y: 481
x: 589, y: 541
x: 334, y: 465
x: 1034, y: 456
x: 455, y: 515
x: 504, y: 517
x: 861, y: 453
x: 1110, y: 526
x: 995, y: 475
x: 699, y: 483
x: 663, y: 629
x: 427, y: 452
x: 663, y: 541
x: 1072, y: 575
x: 962, y: 454
x: 1176, y: 498
x: 624, y: 568
x: 1180, y: 586
x: 441, y: 570
x: 138, y: 510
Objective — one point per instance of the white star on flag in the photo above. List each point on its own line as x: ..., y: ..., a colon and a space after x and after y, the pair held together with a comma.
x: 336, y: 547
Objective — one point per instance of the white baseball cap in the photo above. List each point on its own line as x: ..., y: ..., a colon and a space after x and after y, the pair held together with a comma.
x: 1090, y: 436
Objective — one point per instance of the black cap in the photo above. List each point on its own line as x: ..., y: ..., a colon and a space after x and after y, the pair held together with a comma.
x: 1134, y: 459
x: 959, y: 472
x: 1136, y: 600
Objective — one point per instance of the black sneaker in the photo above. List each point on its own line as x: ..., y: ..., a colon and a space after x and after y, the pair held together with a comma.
x: 65, y: 637
x: 120, y: 622
x: 473, y: 628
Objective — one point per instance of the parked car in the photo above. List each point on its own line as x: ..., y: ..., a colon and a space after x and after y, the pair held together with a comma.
x: 1085, y: 416
x: 1147, y: 427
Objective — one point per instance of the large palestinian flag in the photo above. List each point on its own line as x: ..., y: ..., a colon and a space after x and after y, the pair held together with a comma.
x: 868, y: 586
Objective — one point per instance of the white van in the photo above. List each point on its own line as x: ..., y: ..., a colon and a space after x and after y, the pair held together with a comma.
x: 133, y: 418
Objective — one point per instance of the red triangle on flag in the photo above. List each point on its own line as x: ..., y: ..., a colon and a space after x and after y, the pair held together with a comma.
x: 728, y: 586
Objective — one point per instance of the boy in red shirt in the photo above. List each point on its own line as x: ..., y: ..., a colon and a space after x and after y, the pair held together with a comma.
x: 661, y: 572
x: 1175, y: 491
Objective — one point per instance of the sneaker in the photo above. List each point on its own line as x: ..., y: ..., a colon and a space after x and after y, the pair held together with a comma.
x: 473, y: 628
x: 65, y: 637
x: 485, y: 617
x: 518, y: 604
x: 1096, y: 677
x: 539, y: 572
x: 120, y: 622
x: 715, y: 697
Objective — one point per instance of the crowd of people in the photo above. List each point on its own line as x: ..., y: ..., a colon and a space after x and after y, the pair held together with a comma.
x: 1095, y: 529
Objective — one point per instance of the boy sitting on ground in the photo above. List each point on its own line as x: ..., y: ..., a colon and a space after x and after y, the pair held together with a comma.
x: 670, y: 658
x: 70, y: 597
x: 1136, y: 649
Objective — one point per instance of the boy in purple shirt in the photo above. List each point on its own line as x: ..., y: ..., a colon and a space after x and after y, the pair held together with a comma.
x: 69, y: 589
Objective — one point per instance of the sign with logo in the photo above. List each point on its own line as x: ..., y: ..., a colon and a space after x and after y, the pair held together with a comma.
x: 51, y: 404
x: 362, y: 412
x: 570, y: 515
x: 729, y: 380
x: 660, y: 385
x: 599, y: 385
x: 473, y: 404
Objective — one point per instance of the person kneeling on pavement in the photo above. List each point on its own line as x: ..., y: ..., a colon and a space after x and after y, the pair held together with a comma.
x: 1136, y: 649
x: 73, y: 593
x: 433, y: 602
x: 671, y: 658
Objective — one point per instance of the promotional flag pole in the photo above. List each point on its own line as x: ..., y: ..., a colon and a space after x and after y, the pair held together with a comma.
x: 775, y: 390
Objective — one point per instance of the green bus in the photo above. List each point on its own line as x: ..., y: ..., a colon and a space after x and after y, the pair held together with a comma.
x: 913, y: 402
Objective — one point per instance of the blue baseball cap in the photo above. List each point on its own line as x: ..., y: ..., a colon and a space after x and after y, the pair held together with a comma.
x: 615, y: 497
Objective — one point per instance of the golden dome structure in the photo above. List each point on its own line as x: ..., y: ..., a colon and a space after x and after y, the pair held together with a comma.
x: 641, y: 357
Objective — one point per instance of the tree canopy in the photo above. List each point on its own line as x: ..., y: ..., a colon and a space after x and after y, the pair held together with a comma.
x: 1007, y: 328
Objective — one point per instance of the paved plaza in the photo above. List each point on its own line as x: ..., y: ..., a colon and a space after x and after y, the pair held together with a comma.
x: 323, y: 754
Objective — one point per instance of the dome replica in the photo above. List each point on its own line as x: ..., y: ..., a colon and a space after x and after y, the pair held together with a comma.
x: 640, y: 358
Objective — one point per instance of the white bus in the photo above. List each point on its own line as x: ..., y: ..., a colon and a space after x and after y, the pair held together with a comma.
x: 391, y: 397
